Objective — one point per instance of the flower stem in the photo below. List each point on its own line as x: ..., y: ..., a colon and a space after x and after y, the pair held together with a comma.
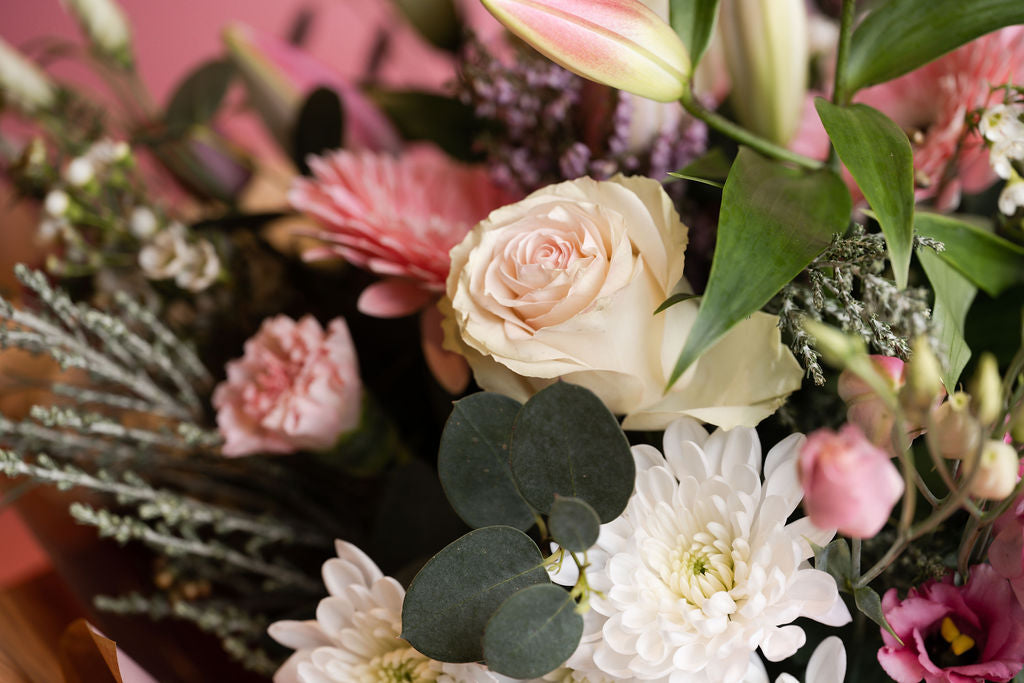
x: 744, y: 136
x: 840, y: 96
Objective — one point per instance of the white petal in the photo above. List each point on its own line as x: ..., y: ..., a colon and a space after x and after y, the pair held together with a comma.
x: 828, y: 663
x: 347, y: 551
x: 298, y: 634
x: 804, y: 532
x: 782, y: 642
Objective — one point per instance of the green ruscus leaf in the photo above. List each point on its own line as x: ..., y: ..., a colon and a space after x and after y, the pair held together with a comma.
x: 198, y: 97
x: 870, y: 605
x: 990, y: 262
x: 454, y: 595
x: 694, y: 21
x: 567, y: 443
x: 573, y: 524
x: 774, y: 221
x: 533, y: 632
x: 954, y: 295
x: 878, y: 155
x: 902, y: 35
x: 473, y: 462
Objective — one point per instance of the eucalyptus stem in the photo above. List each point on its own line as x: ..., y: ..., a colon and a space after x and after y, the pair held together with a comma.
x: 744, y: 136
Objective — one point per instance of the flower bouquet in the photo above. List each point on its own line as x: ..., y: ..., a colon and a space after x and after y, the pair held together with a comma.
x: 665, y: 340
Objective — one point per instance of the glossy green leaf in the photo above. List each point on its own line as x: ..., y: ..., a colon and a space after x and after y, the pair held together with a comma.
x: 989, y: 261
x: 954, y: 295
x: 836, y: 560
x: 694, y: 22
x: 199, y: 95
x: 573, y: 524
x: 710, y: 169
x: 878, y: 155
x: 870, y: 605
x: 473, y: 462
x: 533, y: 632
x: 566, y: 443
x: 319, y: 127
x: 445, y: 121
x: 436, y: 20
x: 774, y: 221
x: 454, y: 595
x: 902, y: 35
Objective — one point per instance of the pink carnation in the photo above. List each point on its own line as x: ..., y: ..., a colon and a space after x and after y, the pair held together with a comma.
x: 396, y: 217
x: 296, y: 388
x: 849, y: 484
x: 931, y: 105
x: 982, y: 610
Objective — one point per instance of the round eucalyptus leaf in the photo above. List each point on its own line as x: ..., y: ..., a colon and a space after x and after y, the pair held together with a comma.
x: 473, y: 462
x: 566, y: 442
x: 457, y: 591
x: 533, y: 632
x: 573, y: 524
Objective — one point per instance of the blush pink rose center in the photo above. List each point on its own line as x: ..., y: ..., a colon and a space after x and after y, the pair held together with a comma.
x: 295, y: 388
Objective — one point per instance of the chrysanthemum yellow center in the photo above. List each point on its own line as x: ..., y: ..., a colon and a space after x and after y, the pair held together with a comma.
x: 698, y: 570
x: 404, y: 665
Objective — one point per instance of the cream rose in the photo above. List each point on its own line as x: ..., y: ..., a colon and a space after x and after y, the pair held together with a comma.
x: 564, y: 284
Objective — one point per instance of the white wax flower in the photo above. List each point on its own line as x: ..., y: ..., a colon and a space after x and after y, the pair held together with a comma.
x: 1002, y: 122
x: 1003, y: 153
x: 200, y: 269
x: 1012, y: 196
x: 80, y: 172
x: 23, y: 83
x: 167, y: 254
x: 143, y: 222
x: 355, y: 637
x: 702, y: 568
x: 103, y: 22
x: 56, y: 203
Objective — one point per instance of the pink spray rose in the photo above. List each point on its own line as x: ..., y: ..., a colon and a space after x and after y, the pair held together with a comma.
x: 865, y: 408
x: 931, y: 104
x: 396, y: 217
x: 849, y: 483
x: 296, y: 388
x: 954, y: 634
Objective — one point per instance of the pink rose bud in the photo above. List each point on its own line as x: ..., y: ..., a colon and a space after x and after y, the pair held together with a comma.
x: 865, y: 408
x: 296, y: 388
x: 621, y: 43
x: 849, y: 483
x: 997, y: 471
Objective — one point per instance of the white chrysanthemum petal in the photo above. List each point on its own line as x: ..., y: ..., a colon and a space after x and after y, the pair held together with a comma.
x: 351, y: 553
x: 298, y: 634
x: 647, y: 457
x: 828, y: 663
x: 782, y: 642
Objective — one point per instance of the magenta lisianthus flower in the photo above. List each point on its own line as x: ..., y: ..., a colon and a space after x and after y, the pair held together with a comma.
x: 931, y: 104
x: 849, y: 483
x: 954, y: 634
x: 397, y: 217
x: 296, y: 388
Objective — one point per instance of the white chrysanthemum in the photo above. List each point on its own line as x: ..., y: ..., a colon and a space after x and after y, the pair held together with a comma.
x: 827, y: 665
x: 355, y: 637
x: 702, y: 569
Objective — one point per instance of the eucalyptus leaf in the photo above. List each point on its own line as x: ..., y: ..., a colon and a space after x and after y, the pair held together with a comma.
x: 870, y: 605
x: 319, y: 127
x: 902, y: 35
x: 567, y: 443
x: 835, y: 559
x: 199, y: 96
x: 473, y: 462
x: 445, y: 121
x: 774, y: 221
x: 710, y: 169
x: 694, y: 22
x: 954, y: 295
x: 573, y: 524
x: 878, y: 155
x: 987, y: 260
x: 454, y: 595
x: 533, y: 632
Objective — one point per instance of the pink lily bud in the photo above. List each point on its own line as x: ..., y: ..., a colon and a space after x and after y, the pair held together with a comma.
x: 279, y: 77
x: 849, y: 484
x: 621, y: 43
x: 865, y: 408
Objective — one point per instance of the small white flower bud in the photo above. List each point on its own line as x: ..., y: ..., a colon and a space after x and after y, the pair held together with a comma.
x: 22, y: 83
x: 105, y: 25
x: 143, y: 223
x: 80, y: 172
x: 997, y: 471
x: 57, y: 203
x: 924, y: 379
x: 987, y: 389
x: 1012, y: 196
x: 954, y: 433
